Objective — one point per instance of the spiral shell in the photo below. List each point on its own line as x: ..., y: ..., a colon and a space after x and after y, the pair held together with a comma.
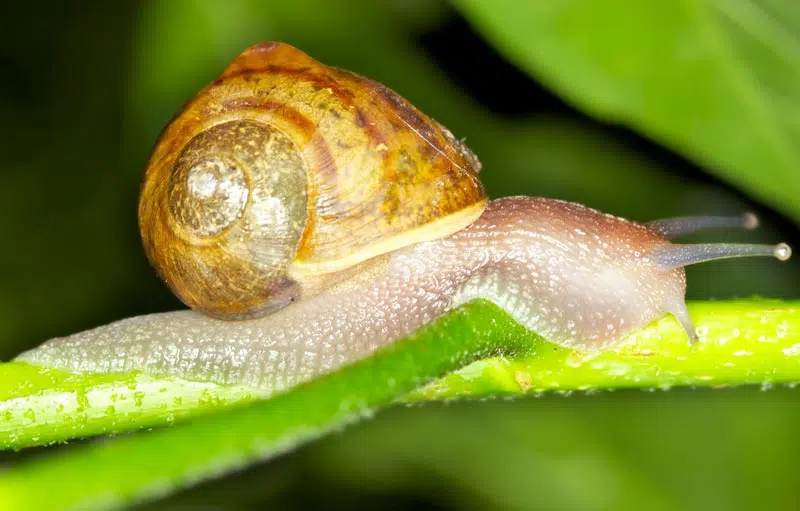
x: 284, y: 170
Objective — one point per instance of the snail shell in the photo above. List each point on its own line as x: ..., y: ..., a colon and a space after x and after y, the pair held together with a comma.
x: 284, y: 172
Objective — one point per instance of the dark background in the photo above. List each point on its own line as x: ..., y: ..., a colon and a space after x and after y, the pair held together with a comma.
x: 85, y: 87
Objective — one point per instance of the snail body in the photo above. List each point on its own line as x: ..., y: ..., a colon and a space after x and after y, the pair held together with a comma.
x: 311, y: 216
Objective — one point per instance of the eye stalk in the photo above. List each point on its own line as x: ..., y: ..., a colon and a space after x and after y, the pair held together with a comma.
x: 675, y: 227
x: 676, y: 256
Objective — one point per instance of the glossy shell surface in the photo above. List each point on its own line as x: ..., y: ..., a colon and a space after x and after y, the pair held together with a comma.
x: 379, y: 175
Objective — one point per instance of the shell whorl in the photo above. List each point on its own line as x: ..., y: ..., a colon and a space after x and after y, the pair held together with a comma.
x: 235, y: 208
x: 284, y: 174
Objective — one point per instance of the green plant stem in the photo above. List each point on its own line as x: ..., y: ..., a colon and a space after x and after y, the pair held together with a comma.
x: 208, y: 446
x: 39, y: 406
x: 741, y: 342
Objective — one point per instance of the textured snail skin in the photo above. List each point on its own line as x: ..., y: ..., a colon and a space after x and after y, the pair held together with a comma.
x: 580, y: 278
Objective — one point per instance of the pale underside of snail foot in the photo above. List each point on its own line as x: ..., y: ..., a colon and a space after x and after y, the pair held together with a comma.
x: 550, y: 264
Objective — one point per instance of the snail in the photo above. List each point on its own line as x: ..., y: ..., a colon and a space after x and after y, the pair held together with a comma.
x: 308, y: 216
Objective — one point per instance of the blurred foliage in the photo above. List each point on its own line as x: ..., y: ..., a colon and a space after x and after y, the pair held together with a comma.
x: 85, y: 87
x: 715, y: 79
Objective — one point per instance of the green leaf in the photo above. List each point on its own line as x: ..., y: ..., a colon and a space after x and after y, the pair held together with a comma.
x: 752, y: 341
x: 713, y: 79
